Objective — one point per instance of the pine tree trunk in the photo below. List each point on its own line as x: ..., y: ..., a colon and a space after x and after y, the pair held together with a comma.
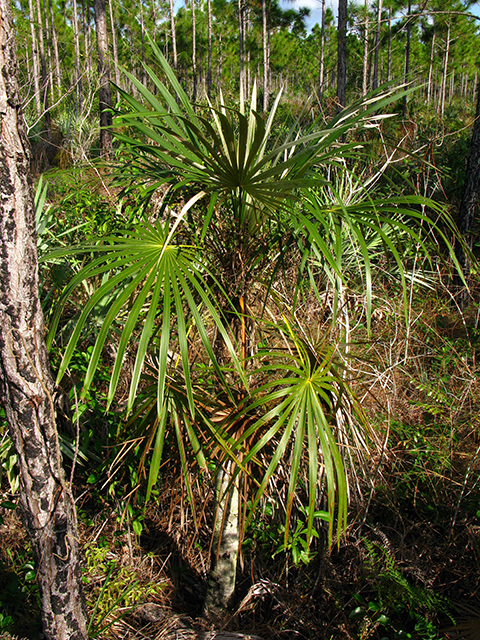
x: 365, y: 51
x: 321, y: 74
x: 26, y: 385
x: 389, y: 54
x: 240, y: 50
x: 265, y: 55
x: 76, y: 42
x: 142, y: 31
x: 209, y: 71
x: 174, y: 39
x: 407, y: 55
x: 114, y: 45
x: 377, y: 45
x: 35, y: 61
x: 43, y: 74
x: 430, y: 69
x: 48, y: 41
x: 194, y: 53
x: 342, y: 55
x: 87, y: 38
x: 104, y: 93
x: 445, y: 73
x: 58, y: 75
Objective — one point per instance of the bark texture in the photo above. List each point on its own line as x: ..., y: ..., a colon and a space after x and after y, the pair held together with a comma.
x: 26, y: 386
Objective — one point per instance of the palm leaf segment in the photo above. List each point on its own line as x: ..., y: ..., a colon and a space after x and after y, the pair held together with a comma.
x: 151, y: 284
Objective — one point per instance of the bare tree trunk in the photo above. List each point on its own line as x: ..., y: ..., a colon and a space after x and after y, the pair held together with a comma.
x: 241, y: 27
x: 43, y: 73
x: 265, y: 54
x: 322, y: 55
x: 26, y: 385
x: 48, y: 41
x: 407, y: 55
x: 209, y: 71
x: 430, y: 69
x: 219, y: 61
x: 76, y: 42
x: 174, y: 38
x: 248, y: 79
x: 35, y: 61
x: 142, y: 29
x: 114, y: 45
x: 88, y: 36
x: 445, y: 72
x: 194, y: 52
x: 104, y: 92
x: 58, y: 75
x: 342, y: 55
x: 377, y: 45
x: 365, y: 51
x: 389, y: 55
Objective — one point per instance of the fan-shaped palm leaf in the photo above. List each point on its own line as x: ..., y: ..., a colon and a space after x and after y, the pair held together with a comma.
x: 155, y: 286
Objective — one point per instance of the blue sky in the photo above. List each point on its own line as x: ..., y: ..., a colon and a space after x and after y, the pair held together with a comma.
x: 316, y: 12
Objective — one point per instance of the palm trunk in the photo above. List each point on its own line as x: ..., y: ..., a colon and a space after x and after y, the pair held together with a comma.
x: 26, y: 385
x: 226, y: 536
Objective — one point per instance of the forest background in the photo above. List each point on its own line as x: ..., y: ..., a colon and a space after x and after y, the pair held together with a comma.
x: 410, y: 558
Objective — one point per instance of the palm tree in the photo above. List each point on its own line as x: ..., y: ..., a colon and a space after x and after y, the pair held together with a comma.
x: 227, y: 367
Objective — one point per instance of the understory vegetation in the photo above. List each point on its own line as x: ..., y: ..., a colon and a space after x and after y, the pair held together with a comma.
x: 260, y: 311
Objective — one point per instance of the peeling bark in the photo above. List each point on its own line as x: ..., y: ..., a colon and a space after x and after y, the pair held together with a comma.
x: 26, y: 386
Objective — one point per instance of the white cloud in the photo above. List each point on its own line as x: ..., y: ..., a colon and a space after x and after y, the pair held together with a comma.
x: 315, y: 7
